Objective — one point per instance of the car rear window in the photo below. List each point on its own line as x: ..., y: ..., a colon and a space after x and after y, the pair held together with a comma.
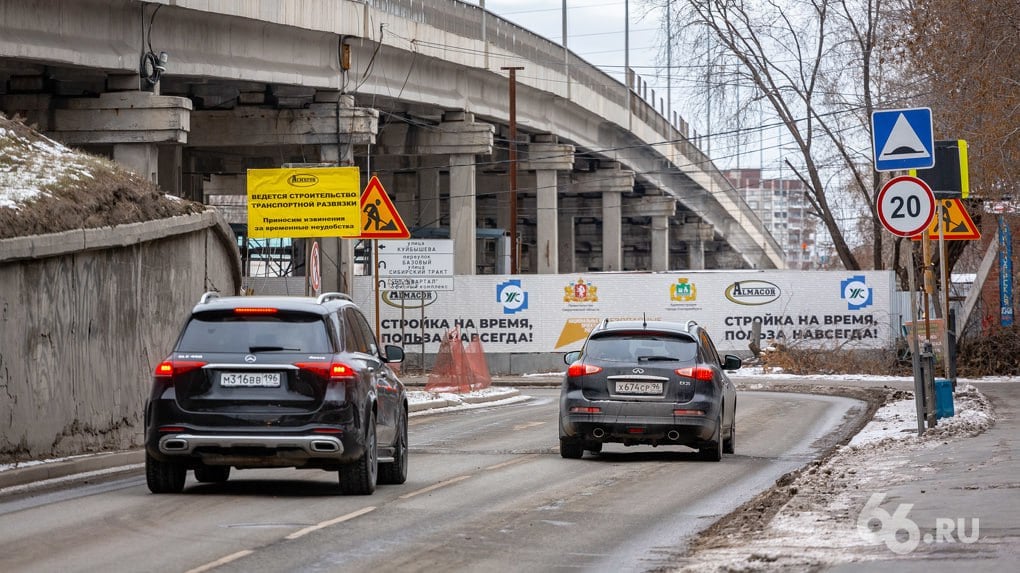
x: 627, y: 347
x: 285, y: 332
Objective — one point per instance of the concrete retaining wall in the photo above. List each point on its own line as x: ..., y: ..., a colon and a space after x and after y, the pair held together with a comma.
x: 84, y: 318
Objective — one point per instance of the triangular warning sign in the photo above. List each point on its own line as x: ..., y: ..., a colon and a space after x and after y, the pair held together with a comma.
x: 903, y: 142
x: 955, y: 221
x: 379, y: 218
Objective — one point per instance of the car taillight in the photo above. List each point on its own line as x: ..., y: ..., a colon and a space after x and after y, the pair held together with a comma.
x: 333, y: 370
x: 170, y: 368
x: 255, y: 310
x: 585, y: 410
x: 581, y: 369
x: 697, y: 372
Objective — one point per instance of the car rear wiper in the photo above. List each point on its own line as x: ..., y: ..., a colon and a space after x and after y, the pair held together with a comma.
x: 658, y: 359
x: 271, y: 349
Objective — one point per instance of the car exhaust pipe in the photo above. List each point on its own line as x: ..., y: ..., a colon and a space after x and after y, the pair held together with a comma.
x: 598, y: 433
x: 324, y: 446
x: 175, y: 445
x: 673, y: 435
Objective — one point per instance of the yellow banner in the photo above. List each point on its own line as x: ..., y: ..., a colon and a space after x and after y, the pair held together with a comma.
x: 304, y: 202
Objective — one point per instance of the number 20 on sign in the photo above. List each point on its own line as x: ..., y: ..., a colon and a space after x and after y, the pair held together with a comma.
x: 906, y: 206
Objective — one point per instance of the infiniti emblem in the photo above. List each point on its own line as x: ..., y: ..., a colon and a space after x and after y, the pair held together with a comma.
x: 249, y: 358
x: 639, y: 371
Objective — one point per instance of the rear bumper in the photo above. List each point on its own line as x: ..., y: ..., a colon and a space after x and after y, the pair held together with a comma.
x: 639, y: 422
x: 326, y: 438
x: 312, y: 446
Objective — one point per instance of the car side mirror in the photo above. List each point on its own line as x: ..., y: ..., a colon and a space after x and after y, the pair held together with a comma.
x: 731, y: 362
x: 394, y: 353
x: 571, y: 357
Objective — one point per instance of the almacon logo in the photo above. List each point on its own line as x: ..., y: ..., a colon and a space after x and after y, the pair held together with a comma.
x: 302, y: 180
x: 856, y: 294
x: 513, y: 298
x: 752, y: 293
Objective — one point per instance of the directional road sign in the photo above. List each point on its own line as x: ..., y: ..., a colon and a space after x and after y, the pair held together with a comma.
x: 416, y: 264
x: 906, y: 206
x: 903, y: 139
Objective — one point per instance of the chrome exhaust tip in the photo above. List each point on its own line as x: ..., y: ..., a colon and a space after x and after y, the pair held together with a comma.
x: 175, y: 445
x: 673, y: 435
x: 324, y: 446
x: 598, y: 433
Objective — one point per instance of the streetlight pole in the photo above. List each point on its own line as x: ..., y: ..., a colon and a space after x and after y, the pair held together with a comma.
x: 514, y: 269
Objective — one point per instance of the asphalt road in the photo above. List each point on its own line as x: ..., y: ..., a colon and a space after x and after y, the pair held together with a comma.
x: 487, y: 491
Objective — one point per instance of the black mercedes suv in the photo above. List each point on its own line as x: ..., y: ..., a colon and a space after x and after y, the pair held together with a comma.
x: 266, y: 382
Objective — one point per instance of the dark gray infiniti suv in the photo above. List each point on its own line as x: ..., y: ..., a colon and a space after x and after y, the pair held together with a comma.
x: 654, y: 383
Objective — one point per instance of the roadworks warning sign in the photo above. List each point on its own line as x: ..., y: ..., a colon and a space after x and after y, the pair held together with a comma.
x: 304, y: 202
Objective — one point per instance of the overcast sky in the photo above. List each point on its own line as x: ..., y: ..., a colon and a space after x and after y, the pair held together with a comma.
x: 596, y: 32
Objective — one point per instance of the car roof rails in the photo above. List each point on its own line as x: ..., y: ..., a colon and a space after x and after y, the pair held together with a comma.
x: 327, y: 296
x: 208, y: 296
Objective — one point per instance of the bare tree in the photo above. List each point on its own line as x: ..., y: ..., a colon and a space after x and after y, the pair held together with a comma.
x: 967, y: 54
x: 817, y: 66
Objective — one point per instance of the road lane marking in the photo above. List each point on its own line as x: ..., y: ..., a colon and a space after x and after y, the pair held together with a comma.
x: 221, y: 561
x: 327, y: 523
x: 528, y: 425
x: 511, y: 462
x: 434, y: 486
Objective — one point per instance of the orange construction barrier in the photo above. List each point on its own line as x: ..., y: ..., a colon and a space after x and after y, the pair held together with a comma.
x: 457, y: 369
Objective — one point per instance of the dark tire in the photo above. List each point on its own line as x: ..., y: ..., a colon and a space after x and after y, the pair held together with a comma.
x: 360, y: 477
x: 395, y: 472
x: 571, y: 449
x: 164, y: 477
x: 712, y: 451
x: 594, y: 447
x: 212, y: 474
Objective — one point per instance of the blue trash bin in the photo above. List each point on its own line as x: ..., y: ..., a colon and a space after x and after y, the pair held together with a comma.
x: 944, y: 398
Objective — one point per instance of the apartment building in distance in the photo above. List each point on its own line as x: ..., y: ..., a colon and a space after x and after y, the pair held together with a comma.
x: 783, y: 208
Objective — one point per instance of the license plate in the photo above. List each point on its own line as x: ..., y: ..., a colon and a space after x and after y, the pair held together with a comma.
x: 250, y: 379
x: 638, y: 387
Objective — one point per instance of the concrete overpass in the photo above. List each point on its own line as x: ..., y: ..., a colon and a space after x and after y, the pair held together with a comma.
x: 412, y: 91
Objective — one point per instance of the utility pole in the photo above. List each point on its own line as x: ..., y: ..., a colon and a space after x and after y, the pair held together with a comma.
x: 514, y: 269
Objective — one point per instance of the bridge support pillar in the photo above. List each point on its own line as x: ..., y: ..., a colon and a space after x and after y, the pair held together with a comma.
x: 566, y: 237
x: 612, y: 182
x: 612, y: 231
x: 463, y: 211
x: 659, y: 208
x: 660, y: 243
x: 546, y: 156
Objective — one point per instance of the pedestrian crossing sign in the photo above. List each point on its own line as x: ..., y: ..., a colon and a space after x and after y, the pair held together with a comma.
x: 379, y: 218
x: 903, y: 139
x: 955, y: 222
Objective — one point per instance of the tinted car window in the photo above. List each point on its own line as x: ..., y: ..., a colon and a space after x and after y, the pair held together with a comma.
x: 710, y: 350
x: 353, y: 339
x: 628, y: 347
x: 366, y: 331
x: 231, y: 333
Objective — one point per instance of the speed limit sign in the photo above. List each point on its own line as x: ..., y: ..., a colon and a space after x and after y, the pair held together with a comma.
x: 906, y: 206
